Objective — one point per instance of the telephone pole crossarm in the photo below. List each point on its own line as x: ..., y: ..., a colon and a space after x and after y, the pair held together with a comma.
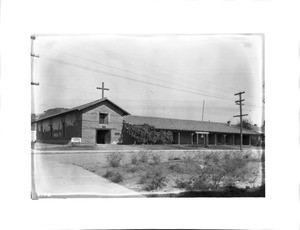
x: 239, y: 93
x: 241, y: 115
x: 240, y: 104
x: 239, y: 100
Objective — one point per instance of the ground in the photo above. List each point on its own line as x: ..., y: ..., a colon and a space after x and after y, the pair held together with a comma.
x: 178, y: 172
x: 176, y: 164
x: 44, y: 146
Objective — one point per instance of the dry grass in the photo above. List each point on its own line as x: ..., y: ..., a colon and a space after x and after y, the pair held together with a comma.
x: 178, y: 173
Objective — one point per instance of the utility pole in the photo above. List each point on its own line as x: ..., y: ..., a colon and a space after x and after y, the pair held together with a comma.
x: 239, y: 102
x: 33, y: 37
x: 102, y: 89
x: 203, y: 109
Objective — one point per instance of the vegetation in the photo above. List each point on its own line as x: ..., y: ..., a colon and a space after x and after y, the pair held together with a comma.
x: 134, y: 159
x: 153, y: 179
x: 156, y: 159
x: 113, y: 176
x: 216, y: 172
x: 144, y: 157
x: 219, y: 172
x: 246, y: 123
x: 114, y: 159
x: 145, y: 134
x: 47, y: 113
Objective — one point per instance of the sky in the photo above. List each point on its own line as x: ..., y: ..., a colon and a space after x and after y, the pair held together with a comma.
x: 152, y: 75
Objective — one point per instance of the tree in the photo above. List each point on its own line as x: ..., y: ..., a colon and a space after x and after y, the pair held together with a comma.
x: 246, y: 123
x: 50, y: 112
x: 33, y: 116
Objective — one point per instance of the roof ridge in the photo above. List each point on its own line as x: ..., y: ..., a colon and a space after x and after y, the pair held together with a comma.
x: 81, y: 107
x: 177, y: 119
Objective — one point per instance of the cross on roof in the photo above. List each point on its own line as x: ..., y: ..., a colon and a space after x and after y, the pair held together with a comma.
x: 102, y: 89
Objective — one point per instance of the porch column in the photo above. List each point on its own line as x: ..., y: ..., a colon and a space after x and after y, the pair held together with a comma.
x: 178, y: 138
x: 215, y: 139
x: 233, y: 136
x: 250, y: 140
x: 224, y: 139
x: 197, y: 140
x: 192, y: 138
x: 206, y: 141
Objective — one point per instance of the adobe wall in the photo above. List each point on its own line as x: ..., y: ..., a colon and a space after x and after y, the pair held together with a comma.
x: 90, y: 123
x: 72, y: 128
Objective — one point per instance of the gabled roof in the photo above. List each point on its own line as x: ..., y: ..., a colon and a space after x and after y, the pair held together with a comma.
x: 82, y: 107
x: 185, y: 125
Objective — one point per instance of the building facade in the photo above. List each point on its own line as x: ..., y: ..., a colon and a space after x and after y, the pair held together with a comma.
x: 101, y: 122
x: 98, y: 122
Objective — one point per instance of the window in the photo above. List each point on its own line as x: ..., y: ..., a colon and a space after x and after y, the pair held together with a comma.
x: 103, y: 118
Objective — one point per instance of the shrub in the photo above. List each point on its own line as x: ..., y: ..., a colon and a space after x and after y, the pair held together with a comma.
x: 108, y: 174
x: 174, y: 159
x: 220, y: 172
x: 176, y: 168
x: 144, y: 157
x: 226, y: 156
x: 164, y: 137
x: 156, y: 159
x: 153, y: 180
x: 114, y: 159
x: 144, y: 134
x: 182, y: 184
x: 134, y: 159
x: 132, y: 169
x: 115, y: 177
x: 188, y: 159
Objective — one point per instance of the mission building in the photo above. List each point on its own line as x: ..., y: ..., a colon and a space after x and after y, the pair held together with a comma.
x: 101, y: 121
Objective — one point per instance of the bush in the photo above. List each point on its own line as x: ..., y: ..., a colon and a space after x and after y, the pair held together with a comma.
x: 108, y: 174
x: 132, y: 169
x: 144, y: 157
x: 115, y: 177
x: 174, y: 159
x: 114, y: 159
x: 176, y: 168
x: 134, y: 159
x: 156, y: 159
x: 182, y: 184
x: 153, y: 180
x: 144, y: 134
x: 188, y: 159
x: 220, y: 172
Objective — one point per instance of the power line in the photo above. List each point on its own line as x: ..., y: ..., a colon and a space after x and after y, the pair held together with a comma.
x: 133, y: 79
x: 180, y: 78
x: 85, y: 59
x: 67, y: 88
x: 165, y: 69
x: 151, y: 71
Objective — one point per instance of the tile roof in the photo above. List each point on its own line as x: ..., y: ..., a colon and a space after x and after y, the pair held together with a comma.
x: 185, y: 125
x: 81, y: 107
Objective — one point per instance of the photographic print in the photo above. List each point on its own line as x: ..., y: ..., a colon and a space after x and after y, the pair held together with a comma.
x: 148, y: 115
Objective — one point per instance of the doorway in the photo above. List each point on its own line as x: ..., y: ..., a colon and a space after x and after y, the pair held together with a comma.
x: 102, y: 136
